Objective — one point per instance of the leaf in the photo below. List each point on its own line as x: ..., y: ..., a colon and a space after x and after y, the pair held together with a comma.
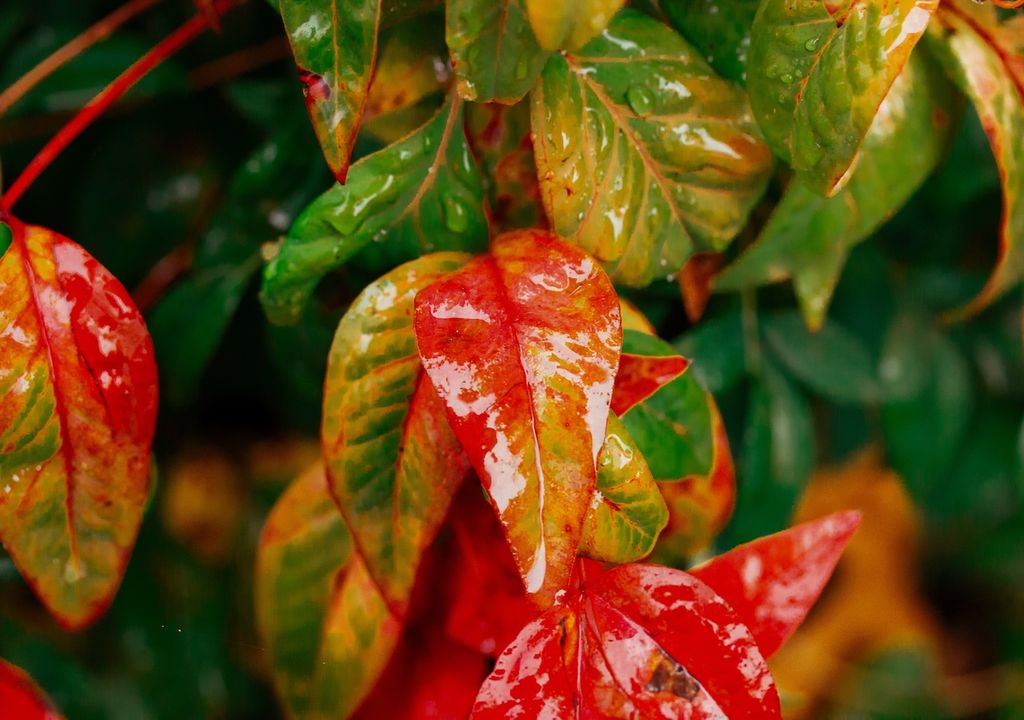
x: 627, y: 512
x: 832, y: 362
x: 21, y: 698
x: 695, y: 283
x: 522, y: 346
x: 264, y: 194
x: 569, y: 24
x: 335, y: 45
x: 495, y: 55
x: 422, y: 194
x: 636, y: 641
x: 78, y: 398
x: 640, y: 376
x: 719, y: 29
x: 822, y: 70
x: 304, y: 545
x: 645, y: 156
x: 773, y: 581
x: 392, y: 461
x: 500, y: 138
x: 808, y: 236
x: 716, y: 350
x: 986, y: 60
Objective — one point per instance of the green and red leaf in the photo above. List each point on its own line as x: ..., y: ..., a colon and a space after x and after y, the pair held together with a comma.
x: 392, y: 461
x: 21, y: 698
x: 821, y: 69
x: 640, y: 376
x: 335, y: 45
x: 644, y: 154
x: 78, y: 398
x: 522, y: 347
x: 569, y: 23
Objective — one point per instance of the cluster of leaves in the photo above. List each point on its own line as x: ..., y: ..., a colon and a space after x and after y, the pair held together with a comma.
x: 641, y: 146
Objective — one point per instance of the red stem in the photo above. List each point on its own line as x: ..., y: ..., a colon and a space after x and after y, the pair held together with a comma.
x: 107, y: 97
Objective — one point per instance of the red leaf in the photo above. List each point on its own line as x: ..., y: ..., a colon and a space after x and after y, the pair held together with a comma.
x: 522, y: 346
x: 695, y: 282
x: 636, y: 641
x: 20, y: 698
x: 77, y: 411
x: 640, y: 376
x: 773, y: 581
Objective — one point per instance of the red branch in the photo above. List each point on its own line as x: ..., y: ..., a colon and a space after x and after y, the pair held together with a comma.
x: 107, y: 97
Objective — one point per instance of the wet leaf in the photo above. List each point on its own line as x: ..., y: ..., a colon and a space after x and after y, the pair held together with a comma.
x: 21, y: 698
x: 720, y: 29
x: 636, y: 641
x: 808, y: 236
x: 773, y: 581
x: 695, y: 283
x: 522, y: 346
x: 627, y: 512
x: 986, y: 60
x: 494, y: 51
x: 640, y: 376
x: 422, y: 194
x: 569, y: 24
x: 76, y: 420
x: 392, y: 460
x: 644, y: 154
x: 335, y: 45
x: 822, y: 70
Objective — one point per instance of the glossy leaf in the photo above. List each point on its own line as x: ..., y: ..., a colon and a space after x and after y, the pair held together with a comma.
x: 522, y: 346
x: 78, y: 401
x: 392, y: 461
x: 636, y: 641
x: 720, y: 29
x: 821, y: 71
x: 644, y: 154
x: 304, y: 546
x: 627, y: 512
x: 773, y: 581
x: 21, y: 699
x: 640, y: 376
x: 808, y: 236
x: 496, y: 56
x: 695, y: 283
x: 986, y: 60
x: 422, y: 194
x: 335, y: 45
x: 569, y: 24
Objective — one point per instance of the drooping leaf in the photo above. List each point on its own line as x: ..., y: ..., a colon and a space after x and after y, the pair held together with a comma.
x: 695, y: 282
x: 266, y: 192
x: 773, y: 581
x: 78, y: 400
x: 820, y: 72
x: 808, y: 236
x: 986, y: 60
x: 627, y: 512
x: 21, y: 699
x: 571, y: 23
x: 637, y: 641
x: 644, y: 154
x: 494, y: 51
x: 392, y: 461
x: 640, y: 376
x: 335, y: 45
x: 720, y: 29
x: 500, y: 138
x: 422, y: 194
x: 522, y: 346
x: 303, y: 548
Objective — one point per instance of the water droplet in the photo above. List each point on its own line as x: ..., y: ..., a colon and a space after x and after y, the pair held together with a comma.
x: 455, y: 216
x: 786, y: 78
x: 772, y: 72
x: 640, y: 98
x: 812, y: 44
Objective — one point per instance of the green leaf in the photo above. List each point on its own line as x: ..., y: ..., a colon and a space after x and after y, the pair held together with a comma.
x: 720, y: 29
x: 392, y: 460
x: 808, y: 236
x: 262, y: 198
x: 832, y: 361
x: 5, y: 237
x: 496, y: 56
x: 986, y: 60
x: 644, y: 154
x: 717, y: 351
x: 422, y: 194
x: 821, y: 69
x: 335, y: 45
x: 569, y: 23
x: 627, y: 512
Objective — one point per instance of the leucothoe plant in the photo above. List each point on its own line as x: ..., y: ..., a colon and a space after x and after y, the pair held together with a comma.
x: 504, y: 439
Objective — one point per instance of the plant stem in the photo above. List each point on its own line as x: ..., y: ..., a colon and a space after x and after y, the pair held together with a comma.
x: 751, y: 334
x: 72, y: 49
x: 107, y: 97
